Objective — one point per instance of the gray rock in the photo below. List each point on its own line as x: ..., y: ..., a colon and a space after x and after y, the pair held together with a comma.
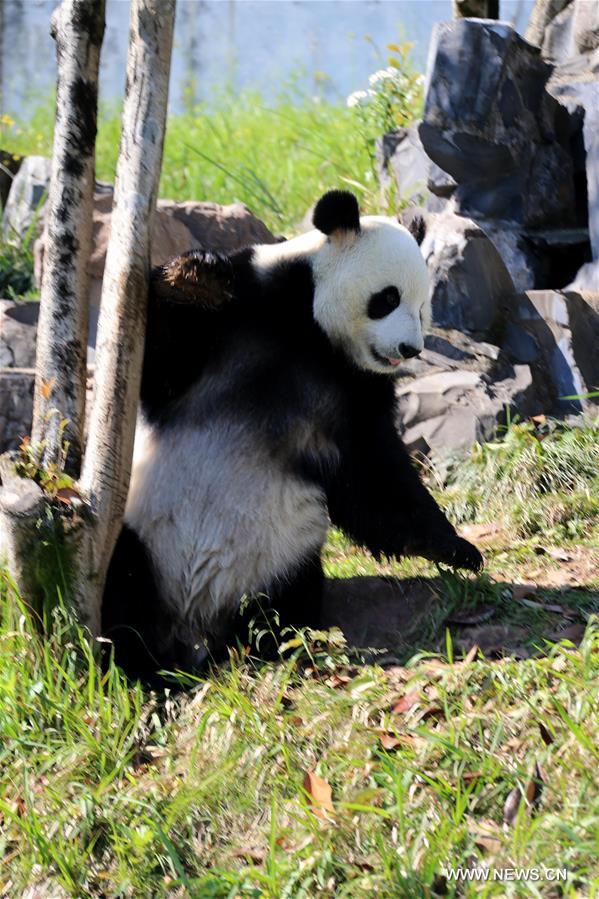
x: 469, y: 282
x: 557, y: 333
x: 491, y: 124
x: 402, y: 160
x: 18, y: 331
x: 444, y: 413
x: 26, y: 199
x: 16, y: 406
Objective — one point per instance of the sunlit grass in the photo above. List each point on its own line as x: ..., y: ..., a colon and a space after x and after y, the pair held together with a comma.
x: 107, y: 789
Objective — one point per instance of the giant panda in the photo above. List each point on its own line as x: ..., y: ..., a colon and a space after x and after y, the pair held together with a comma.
x: 267, y: 412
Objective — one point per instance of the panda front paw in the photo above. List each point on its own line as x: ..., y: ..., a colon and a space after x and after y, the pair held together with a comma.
x: 459, y: 553
x: 449, y: 549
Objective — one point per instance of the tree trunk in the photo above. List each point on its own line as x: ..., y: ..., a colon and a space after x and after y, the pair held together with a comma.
x: 59, y: 401
x: 121, y: 327
x: 478, y: 9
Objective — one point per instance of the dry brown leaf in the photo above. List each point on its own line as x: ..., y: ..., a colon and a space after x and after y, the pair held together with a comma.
x: 392, y: 741
x: 406, y: 702
x: 47, y: 387
x: 337, y: 680
x: 67, y: 495
x: 520, y: 591
x: 534, y: 791
x: 320, y: 795
x: 470, y: 655
x: 545, y: 735
x: 469, y: 776
x: 254, y: 854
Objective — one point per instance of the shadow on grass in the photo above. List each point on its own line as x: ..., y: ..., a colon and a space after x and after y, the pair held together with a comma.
x: 398, y: 617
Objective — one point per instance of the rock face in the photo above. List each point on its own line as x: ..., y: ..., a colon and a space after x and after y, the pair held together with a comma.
x: 509, y: 153
x: 470, y: 284
x: 26, y: 199
x: 16, y: 405
x: 18, y: 330
x: 402, y: 161
x: 490, y: 123
x: 557, y: 334
x: 457, y: 392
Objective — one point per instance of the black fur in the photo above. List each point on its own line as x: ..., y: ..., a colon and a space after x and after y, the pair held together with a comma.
x: 337, y: 210
x: 322, y: 417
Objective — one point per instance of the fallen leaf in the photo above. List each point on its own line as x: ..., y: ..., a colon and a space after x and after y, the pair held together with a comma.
x: 512, y: 804
x: 406, y: 702
x: 534, y: 791
x: 472, y: 616
x: 470, y: 655
x: 489, y: 844
x: 337, y: 680
x: 520, y: 591
x: 545, y: 734
x: 469, y: 776
x: 392, y: 741
x: 67, y: 495
x: 255, y: 854
x: 560, y: 555
x: 320, y: 795
x: 431, y: 711
x: 548, y: 607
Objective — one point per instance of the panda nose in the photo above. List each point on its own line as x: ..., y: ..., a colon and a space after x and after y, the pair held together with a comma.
x: 408, y: 351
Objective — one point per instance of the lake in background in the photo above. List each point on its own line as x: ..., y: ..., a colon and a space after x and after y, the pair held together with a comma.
x: 324, y: 48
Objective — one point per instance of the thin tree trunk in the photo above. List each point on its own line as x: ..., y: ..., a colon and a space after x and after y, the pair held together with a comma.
x: 59, y: 402
x: 121, y: 328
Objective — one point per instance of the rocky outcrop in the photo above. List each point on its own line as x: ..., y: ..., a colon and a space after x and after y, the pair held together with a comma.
x: 16, y: 405
x: 18, y: 330
x: 557, y: 334
x: 24, y: 210
x: 470, y: 284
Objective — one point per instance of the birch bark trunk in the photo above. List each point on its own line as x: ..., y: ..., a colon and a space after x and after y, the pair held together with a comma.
x: 121, y: 327
x: 78, y: 29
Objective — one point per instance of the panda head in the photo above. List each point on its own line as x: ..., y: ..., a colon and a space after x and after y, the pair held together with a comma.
x: 371, y: 284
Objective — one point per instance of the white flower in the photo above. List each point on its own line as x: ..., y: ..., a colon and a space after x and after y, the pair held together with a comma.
x: 381, y: 75
x: 358, y: 98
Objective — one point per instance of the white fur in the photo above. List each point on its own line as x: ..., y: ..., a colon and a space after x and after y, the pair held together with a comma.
x: 348, y: 268
x: 219, y: 518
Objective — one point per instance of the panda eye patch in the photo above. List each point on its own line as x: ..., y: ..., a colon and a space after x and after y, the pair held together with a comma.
x: 383, y: 302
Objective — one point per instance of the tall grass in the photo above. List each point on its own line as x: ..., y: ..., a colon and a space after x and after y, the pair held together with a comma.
x: 277, y: 160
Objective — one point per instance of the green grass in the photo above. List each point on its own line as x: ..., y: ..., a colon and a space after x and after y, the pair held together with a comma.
x: 277, y: 160
x: 109, y: 790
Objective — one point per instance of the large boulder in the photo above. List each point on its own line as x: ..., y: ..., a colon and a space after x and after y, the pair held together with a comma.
x: 444, y: 413
x: 491, y: 124
x: 556, y: 333
x: 24, y: 209
x: 470, y: 284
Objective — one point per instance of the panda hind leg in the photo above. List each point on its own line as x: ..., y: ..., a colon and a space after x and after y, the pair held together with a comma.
x: 295, y: 603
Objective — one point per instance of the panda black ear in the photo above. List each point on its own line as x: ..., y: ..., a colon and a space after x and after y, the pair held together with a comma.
x: 337, y: 210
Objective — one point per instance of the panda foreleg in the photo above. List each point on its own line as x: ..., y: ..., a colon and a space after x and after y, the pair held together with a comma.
x: 379, y: 500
